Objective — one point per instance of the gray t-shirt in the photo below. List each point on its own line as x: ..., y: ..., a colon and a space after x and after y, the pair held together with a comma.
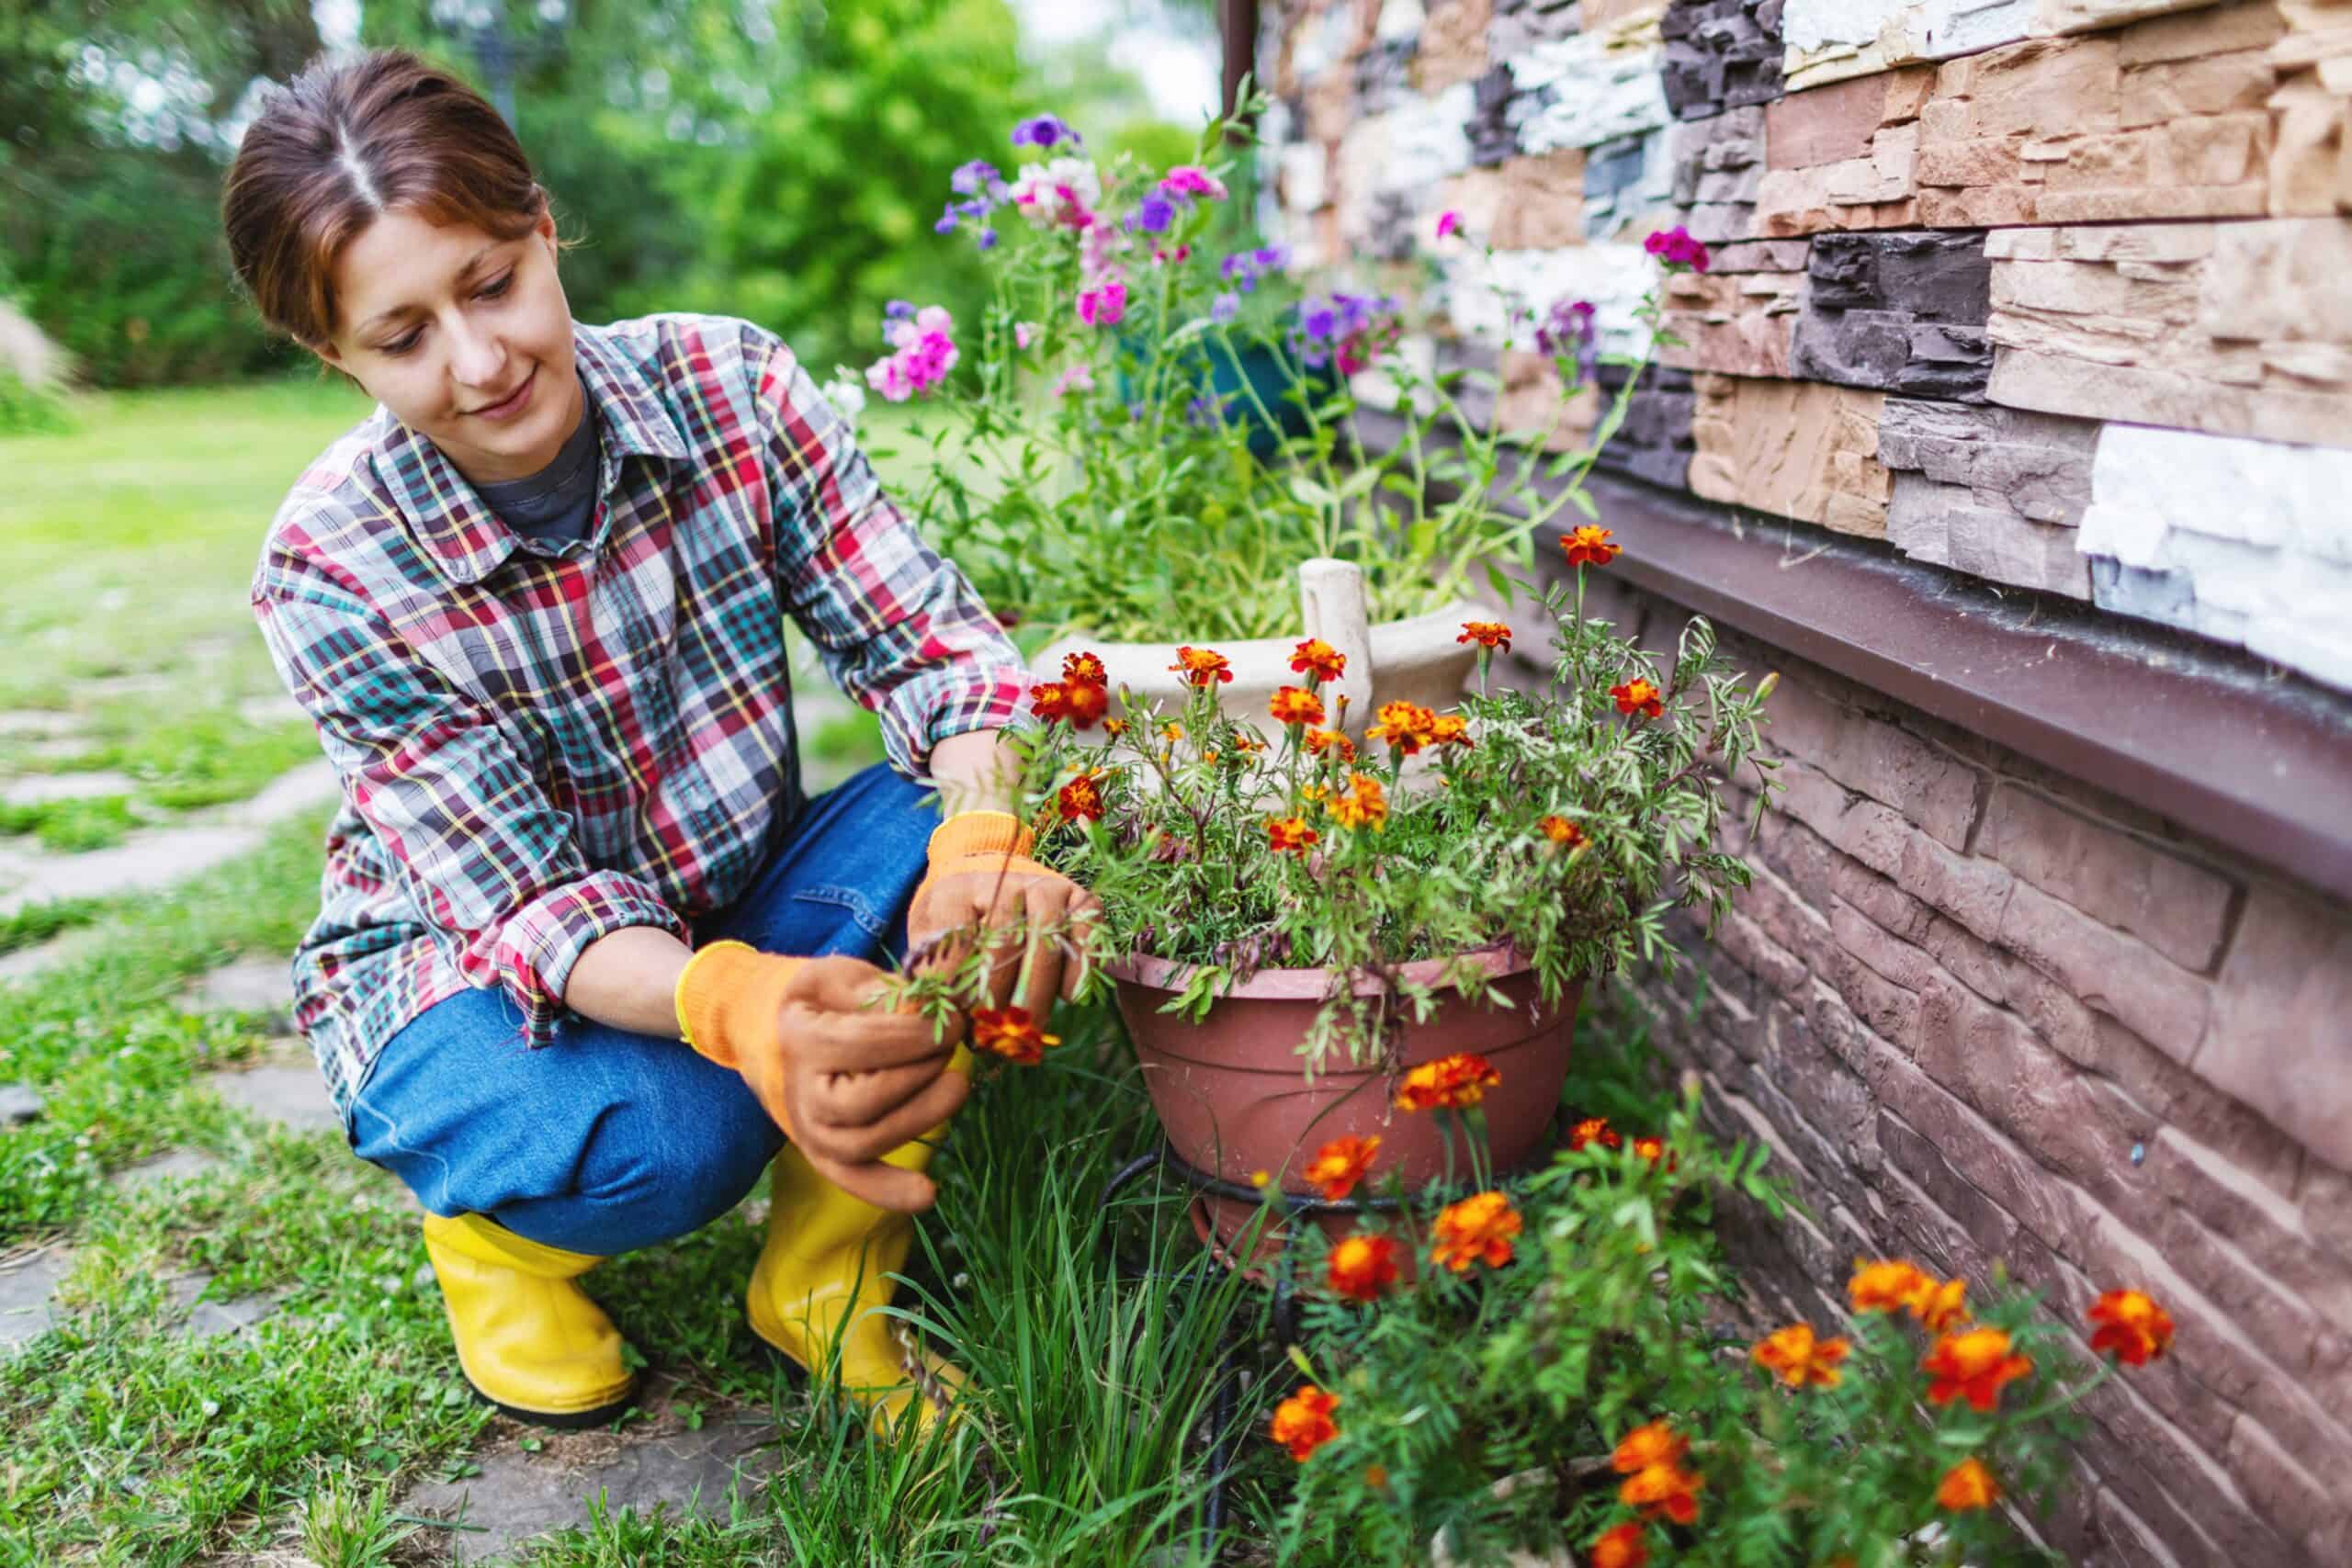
x: 557, y: 502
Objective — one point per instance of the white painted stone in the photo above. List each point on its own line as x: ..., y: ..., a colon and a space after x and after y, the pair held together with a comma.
x: 1599, y: 90
x: 1649, y: 194
x: 1615, y: 277
x: 1400, y: 20
x: 1323, y: 41
x: 1304, y: 187
x: 1420, y: 143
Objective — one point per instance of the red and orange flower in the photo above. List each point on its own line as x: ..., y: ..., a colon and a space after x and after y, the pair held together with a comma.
x: 1450, y: 729
x: 1619, y: 1546
x: 1338, y: 1165
x: 1652, y: 1443
x: 1318, y: 660
x: 1050, y: 700
x: 1650, y: 1457
x: 1081, y: 798
x: 1084, y: 670
x: 2133, y: 1325
x: 1798, y: 1358
x: 1966, y: 1486
x: 1364, y: 805
x: 1289, y: 835
x: 1892, y: 1284
x: 1477, y: 1229
x: 1408, y: 727
x: 1303, y: 1422
x: 1638, y: 695
x: 1588, y: 544
x: 1594, y: 1130
x: 1453, y: 1083
x: 1975, y: 1366
x: 1322, y: 740
x: 1011, y: 1032
x: 1561, y: 831
x: 1084, y: 703
x: 1202, y: 666
x: 1295, y: 704
x: 1363, y: 1266
x: 1654, y: 1150
x: 1486, y: 634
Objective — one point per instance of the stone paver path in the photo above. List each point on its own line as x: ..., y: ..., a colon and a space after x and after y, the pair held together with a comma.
x: 249, y: 985
x: 39, y: 789
x: 284, y: 1087
x: 519, y: 1495
x: 27, y: 1285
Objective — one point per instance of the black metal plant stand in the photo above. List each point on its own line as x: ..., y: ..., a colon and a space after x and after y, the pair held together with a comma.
x: 1223, y: 1437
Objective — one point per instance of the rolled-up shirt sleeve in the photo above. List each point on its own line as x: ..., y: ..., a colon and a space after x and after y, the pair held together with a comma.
x: 899, y: 628
x: 479, y: 847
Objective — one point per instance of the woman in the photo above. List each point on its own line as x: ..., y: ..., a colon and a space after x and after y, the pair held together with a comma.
x: 535, y: 605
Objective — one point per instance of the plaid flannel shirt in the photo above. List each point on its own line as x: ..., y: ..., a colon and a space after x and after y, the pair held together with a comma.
x: 539, y: 743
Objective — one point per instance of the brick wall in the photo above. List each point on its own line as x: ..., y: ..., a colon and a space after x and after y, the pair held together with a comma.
x: 2105, y: 240
x: 2049, y: 294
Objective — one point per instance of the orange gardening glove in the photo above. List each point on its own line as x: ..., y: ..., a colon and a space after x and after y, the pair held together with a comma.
x: 847, y: 1080
x: 982, y: 881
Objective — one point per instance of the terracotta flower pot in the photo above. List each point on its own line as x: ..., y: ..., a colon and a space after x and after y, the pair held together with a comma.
x: 1233, y: 1095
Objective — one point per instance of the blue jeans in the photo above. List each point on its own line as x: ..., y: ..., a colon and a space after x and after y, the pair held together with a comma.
x: 607, y: 1141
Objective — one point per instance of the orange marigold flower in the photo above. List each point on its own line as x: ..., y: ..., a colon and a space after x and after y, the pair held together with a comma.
x: 1303, y: 1422
x: 1202, y: 666
x: 1290, y: 834
x: 1654, y: 1150
x: 1486, y: 634
x: 1888, y: 1285
x: 1317, y: 659
x: 1322, y: 740
x: 1594, y: 1130
x: 1011, y: 1033
x: 1364, y: 805
x: 1259, y: 1179
x: 1619, y: 1546
x: 1972, y: 1366
x: 1115, y: 727
x: 2133, y: 1325
x: 1941, y: 1308
x: 1408, y: 727
x: 1590, y: 546
x: 1652, y: 1443
x: 1050, y: 700
x: 1338, y: 1165
x: 1663, y: 1489
x: 1295, y: 704
x: 1638, y: 695
x: 1084, y: 670
x: 1561, y: 831
x: 1798, y: 1358
x: 1967, y: 1485
x: 1455, y: 1082
x: 1315, y: 794
x: 1085, y: 703
x: 1450, y: 729
x: 1479, y: 1228
x: 1363, y: 1266
x: 1377, y: 1477
x: 1081, y: 797
x: 1246, y: 745
x: 1171, y: 732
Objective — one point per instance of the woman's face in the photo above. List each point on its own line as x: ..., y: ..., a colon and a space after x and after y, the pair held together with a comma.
x: 465, y: 337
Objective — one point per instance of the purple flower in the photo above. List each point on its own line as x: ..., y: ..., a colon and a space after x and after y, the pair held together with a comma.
x: 1225, y: 307
x: 1353, y: 329
x: 1152, y: 215
x: 1243, y: 268
x: 946, y: 224
x: 988, y: 238
x: 1044, y: 131
x: 1569, y: 333
x: 1206, y: 411
x: 898, y: 310
x: 973, y: 177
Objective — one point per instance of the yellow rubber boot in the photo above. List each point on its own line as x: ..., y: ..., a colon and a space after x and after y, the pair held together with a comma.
x: 530, y: 1340
x: 826, y: 1267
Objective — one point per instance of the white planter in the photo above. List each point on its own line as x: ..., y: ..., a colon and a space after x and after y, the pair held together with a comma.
x: 1417, y: 659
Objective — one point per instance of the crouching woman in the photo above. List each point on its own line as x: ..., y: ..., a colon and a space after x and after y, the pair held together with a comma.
x: 587, y: 960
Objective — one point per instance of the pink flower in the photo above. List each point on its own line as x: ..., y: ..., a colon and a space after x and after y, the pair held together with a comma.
x: 1105, y: 304
x: 1448, y: 223
x: 1190, y: 179
x: 925, y: 353
x: 1078, y: 377
x: 1676, y: 248
x: 1024, y: 333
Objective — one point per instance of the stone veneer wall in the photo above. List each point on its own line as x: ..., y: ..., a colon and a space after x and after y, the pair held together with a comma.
x: 2057, y: 294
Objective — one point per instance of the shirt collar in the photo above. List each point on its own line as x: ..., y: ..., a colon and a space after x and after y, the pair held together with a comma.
x: 463, y: 536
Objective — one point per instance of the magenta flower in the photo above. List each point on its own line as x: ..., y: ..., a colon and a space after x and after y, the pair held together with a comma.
x: 1448, y: 223
x: 926, y: 352
x: 1190, y: 180
x: 1675, y: 248
x: 1077, y: 377
x: 1103, y: 305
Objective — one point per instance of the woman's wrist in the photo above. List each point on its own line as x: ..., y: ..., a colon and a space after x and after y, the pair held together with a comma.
x: 975, y: 770
x: 628, y: 979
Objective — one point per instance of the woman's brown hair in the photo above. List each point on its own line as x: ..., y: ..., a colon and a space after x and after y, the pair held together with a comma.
x: 345, y: 141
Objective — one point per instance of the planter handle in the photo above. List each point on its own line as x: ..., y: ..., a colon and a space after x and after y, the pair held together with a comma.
x: 1332, y: 605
